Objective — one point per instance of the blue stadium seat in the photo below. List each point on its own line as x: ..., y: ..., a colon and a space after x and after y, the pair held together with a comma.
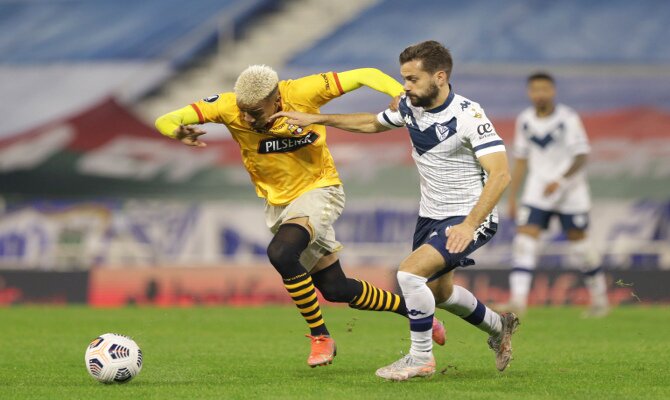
x: 33, y: 32
x: 491, y: 31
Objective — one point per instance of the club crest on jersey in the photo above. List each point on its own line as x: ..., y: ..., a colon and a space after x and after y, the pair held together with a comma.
x: 442, y: 132
x: 475, y: 113
x: 294, y: 129
x: 445, y: 130
x: 211, y: 99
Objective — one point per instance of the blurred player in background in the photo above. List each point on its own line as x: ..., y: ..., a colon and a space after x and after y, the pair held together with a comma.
x: 463, y: 172
x: 551, y: 144
x: 293, y: 170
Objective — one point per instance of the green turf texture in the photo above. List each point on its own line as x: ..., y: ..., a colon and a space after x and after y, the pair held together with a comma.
x: 255, y: 353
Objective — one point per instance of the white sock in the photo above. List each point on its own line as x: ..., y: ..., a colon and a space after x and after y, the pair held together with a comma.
x: 519, y: 284
x: 524, y: 261
x: 584, y: 257
x: 597, y: 286
x: 464, y: 304
x: 420, y: 304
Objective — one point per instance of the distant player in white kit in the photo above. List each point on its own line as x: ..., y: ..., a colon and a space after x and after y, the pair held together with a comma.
x: 551, y: 144
x: 463, y: 172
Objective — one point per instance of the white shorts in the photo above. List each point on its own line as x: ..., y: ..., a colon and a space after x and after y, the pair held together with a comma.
x: 322, y: 206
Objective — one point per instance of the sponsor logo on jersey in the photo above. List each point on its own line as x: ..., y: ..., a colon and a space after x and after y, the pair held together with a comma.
x: 327, y: 82
x: 465, y: 104
x: 211, y: 99
x: 408, y: 120
x: 484, y: 128
x: 286, y: 144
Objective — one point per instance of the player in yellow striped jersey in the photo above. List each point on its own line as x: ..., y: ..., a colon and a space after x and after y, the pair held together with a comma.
x: 293, y: 170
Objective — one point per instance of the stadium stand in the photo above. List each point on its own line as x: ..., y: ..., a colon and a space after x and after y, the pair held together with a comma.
x: 599, y: 31
x: 79, y: 30
x: 61, y: 56
x: 600, y: 66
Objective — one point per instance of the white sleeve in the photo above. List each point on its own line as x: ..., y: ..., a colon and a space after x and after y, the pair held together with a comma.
x: 521, y: 148
x: 391, y: 119
x: 576, y: 139
x: 480, y: 132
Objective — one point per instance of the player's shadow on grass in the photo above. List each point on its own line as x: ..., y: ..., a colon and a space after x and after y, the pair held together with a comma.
x: 161, y: 383
x: 351, y: 374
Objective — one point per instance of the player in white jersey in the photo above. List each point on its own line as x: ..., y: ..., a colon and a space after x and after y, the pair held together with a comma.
x: 463, y: 172
x: 551, y: 144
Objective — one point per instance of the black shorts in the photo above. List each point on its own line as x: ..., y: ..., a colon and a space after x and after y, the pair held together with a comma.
x: 434, y: 233
x: 541, y: 218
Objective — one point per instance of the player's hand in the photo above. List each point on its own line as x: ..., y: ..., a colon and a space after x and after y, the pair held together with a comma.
x: 551, y: 188
x: 297, y: 118
x: 188, y: 135
x: 395, y: 103
x: 459, y: 237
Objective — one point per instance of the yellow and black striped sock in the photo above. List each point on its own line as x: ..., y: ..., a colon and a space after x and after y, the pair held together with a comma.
x: 301, y: 289
x: 376, y: 299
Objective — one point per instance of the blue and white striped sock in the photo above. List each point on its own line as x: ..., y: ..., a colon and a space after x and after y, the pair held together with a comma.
x: 420, y: 310
x: 464, y: 304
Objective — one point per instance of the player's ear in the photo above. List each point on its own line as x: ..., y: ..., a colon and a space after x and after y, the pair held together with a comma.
x: 441, y: 77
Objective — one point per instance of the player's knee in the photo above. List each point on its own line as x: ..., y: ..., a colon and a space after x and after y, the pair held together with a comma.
x: 404, y: 267
x: 281, y: 254
x: 576, y: 234
x: 287, y: 245
x: 409, y: 267
x: 582, y: 256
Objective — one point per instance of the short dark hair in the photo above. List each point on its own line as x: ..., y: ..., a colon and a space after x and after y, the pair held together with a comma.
x: 540, y: 76
x: 433, y: 56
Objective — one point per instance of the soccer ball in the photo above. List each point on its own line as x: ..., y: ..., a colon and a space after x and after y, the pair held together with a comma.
x: 113, y: 358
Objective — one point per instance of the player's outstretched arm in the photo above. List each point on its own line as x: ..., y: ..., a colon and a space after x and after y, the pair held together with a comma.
x: 372, y: 78
x: 495, y: 165
x: 178, y: 125
x: 361, y: 123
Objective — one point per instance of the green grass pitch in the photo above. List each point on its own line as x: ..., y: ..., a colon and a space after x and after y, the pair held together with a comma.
x: 235, y: 353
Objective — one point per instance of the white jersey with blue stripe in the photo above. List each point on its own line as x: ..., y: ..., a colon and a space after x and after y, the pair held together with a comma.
x: 550, y: 145
x: 447, y: 142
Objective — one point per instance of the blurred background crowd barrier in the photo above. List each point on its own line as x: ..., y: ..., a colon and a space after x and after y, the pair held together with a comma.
x: 98, y: 207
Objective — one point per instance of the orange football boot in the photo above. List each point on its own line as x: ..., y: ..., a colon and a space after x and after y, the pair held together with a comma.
x: 323, y: 350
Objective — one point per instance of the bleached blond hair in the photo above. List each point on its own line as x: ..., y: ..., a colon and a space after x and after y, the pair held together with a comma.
x: 255, y: 84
